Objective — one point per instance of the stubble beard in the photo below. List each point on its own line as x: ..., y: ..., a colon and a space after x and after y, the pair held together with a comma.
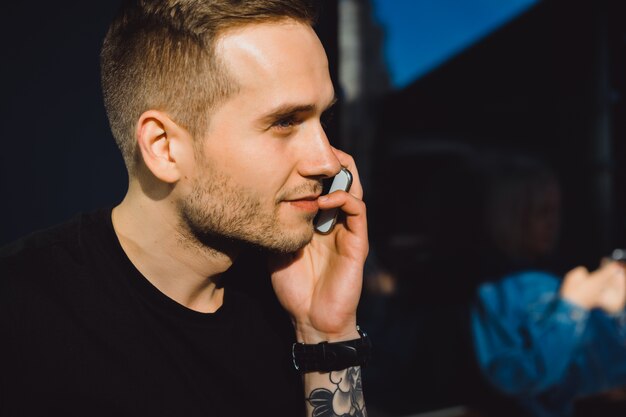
x: 221, y: 216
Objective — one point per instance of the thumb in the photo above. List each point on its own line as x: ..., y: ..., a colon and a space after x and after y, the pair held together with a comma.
x: 575, y: 275
x: 575, y: 288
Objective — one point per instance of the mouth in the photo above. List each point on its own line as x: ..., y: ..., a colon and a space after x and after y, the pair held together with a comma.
x: 303, y: 198
x: 306, y: 203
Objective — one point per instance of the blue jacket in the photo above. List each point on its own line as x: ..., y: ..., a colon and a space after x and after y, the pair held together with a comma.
x: 543, y: 350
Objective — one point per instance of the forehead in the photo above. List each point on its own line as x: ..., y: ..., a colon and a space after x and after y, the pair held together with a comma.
x: 282, y: 58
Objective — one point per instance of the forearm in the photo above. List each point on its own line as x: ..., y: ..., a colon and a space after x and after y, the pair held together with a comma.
x: 339, y: 391
x: 541, y: 358
x: 331, y: 370
x: 532, y: 352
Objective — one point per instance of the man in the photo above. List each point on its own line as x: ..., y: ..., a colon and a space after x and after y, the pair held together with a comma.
x: 216, y: 107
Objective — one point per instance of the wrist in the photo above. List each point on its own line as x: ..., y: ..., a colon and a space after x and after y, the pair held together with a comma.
x: 580, y: 300
x: 332, y: 356
x: 306, y: 333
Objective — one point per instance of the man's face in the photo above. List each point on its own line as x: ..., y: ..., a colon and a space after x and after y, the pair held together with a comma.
x: 257, y: 174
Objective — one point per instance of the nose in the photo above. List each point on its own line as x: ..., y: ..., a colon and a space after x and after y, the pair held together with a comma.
x: 318, y: 159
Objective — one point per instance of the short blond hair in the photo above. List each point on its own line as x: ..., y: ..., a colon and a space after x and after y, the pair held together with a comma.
x: 160, y: 55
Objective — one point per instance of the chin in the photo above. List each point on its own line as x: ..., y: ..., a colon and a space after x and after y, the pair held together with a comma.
x: 288, y: 242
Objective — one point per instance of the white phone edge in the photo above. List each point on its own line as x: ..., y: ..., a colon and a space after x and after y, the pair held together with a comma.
x: 327, y: 218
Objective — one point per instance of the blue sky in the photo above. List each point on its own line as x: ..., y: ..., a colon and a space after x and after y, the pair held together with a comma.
x: 422, y: 34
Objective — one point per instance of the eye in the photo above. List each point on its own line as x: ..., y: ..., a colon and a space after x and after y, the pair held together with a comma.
x: 285, y: 123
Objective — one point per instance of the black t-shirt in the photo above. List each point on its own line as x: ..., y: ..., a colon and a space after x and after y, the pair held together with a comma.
x: 82, y: 332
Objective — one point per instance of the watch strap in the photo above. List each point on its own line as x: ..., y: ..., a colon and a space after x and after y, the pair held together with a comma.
x: 332, y: 356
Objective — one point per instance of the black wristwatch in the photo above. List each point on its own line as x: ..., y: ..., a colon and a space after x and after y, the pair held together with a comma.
x: 327, y: 357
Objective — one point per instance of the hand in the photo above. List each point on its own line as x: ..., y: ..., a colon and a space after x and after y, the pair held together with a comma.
x: 613, y: 297
x: 320, y: 284
x: 604, y: 288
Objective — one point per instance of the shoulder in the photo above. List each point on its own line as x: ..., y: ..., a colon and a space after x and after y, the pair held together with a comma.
x: 526, y: 282
x: 519, y: 289
x: 44, y: 251
x: 40, y: 240
x: 42, y: 273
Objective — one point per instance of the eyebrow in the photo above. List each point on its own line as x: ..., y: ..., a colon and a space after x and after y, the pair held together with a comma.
x: 289, y: 110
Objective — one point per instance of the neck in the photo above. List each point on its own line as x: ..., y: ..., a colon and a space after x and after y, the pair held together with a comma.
x: 175, y: 262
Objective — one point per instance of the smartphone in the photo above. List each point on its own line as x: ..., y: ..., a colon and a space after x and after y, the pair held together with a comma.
x: 326, y: 219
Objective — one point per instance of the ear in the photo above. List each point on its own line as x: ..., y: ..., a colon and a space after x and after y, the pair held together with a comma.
x: 161, y: 142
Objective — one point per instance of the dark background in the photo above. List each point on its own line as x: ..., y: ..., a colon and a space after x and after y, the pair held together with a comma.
x: 59, y: 156
x: 549, y: 84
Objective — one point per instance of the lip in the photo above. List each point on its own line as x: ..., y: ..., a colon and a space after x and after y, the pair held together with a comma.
x: 306, y: 203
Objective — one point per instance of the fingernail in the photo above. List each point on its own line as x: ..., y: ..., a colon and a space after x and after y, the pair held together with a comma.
x: 323, y: 198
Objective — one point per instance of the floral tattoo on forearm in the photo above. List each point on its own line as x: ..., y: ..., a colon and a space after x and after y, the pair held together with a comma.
x: 345, y: 400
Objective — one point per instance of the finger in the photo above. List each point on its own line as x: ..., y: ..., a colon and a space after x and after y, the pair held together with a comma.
x: 353, y: 207
x: 577, y: 273
x: 348, y: 162
x: 616, y: 283
x: 613, y: 295
x: 608, y: 272
x: 347, y: 202
x: 576, y: 288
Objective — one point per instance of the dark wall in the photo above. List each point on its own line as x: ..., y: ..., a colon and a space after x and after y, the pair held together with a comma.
x: 58, y: 156
x: 617, y: 46
x: 549, y: 84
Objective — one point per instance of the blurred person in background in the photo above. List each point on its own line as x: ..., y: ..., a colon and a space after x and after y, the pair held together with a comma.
x: 543, y: 341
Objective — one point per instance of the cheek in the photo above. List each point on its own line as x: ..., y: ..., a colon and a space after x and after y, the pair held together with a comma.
x: 259, y: 163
